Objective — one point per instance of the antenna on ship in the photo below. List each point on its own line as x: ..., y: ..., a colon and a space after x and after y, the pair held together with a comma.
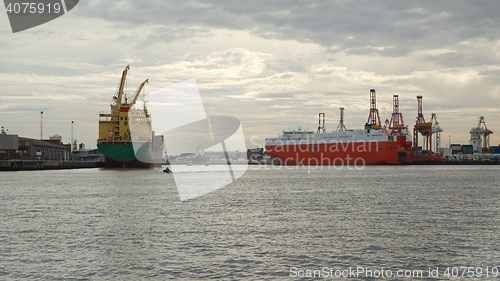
x: 341, y: 126
x: 320, y: 120
x: 374, y: 117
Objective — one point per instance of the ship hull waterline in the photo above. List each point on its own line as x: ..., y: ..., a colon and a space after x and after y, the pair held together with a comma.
x: 130, y: 155
x: 342, y: 153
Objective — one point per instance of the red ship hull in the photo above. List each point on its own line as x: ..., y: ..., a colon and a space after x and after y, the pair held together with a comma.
x: 344, y: 153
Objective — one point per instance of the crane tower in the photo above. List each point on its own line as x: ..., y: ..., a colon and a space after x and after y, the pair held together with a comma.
x: 373, y: 117
x: 396, y: 123
x: 422, y: 127
x: 480, y: 136
x: 436, y: 129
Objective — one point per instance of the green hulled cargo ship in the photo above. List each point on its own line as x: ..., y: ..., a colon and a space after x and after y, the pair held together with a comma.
x: 126, y: 138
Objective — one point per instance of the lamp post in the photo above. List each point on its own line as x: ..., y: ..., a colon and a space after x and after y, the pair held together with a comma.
x: 41, y: 125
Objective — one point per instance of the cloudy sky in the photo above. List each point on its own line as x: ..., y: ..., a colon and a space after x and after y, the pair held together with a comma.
x: 271, y: 64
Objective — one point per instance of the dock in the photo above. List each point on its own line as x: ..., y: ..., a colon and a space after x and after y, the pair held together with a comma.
x: 27, y: 165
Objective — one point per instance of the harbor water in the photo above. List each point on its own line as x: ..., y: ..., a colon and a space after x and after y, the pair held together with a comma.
x: 274, y: 223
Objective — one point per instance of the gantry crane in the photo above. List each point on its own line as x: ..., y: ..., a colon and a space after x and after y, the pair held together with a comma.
x: 396, y: 123
x: 480, y: 136
x: 373, y: 117
x: 422, y: 127
x: 436, y: 129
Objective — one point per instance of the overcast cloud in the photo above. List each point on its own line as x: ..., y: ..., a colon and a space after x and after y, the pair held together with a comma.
x: 272, y: 64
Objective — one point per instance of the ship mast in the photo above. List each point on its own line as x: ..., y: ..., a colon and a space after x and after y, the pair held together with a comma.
x: 320, y: 126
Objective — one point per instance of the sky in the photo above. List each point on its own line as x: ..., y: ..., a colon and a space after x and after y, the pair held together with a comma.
x: 273, y: 65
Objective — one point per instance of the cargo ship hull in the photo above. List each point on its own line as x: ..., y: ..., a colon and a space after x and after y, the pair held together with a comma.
x: 347, y: 148
x: 130, y: 155
x: 355, y: 153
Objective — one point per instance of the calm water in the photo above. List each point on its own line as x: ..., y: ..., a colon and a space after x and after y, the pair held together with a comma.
x: 130, y: 224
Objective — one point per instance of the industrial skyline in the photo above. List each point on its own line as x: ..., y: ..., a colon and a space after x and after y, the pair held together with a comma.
x: 273, y: 65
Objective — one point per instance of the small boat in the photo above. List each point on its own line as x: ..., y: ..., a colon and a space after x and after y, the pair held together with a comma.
x: 167, y: 170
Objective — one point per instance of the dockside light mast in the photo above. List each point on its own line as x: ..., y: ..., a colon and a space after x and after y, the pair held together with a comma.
x: 41, y: 125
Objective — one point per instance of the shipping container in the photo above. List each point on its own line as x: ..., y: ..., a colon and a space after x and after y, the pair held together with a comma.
x: 446, y: 151
x: 467, y: 149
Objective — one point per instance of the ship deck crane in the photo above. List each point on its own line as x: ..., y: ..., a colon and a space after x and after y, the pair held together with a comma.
x: 118, y: 98
x: 139, y: 89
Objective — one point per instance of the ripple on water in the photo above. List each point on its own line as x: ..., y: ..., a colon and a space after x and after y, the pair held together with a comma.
x: 130, y: 224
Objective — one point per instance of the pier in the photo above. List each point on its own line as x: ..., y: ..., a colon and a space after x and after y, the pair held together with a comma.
x: 26, y: 165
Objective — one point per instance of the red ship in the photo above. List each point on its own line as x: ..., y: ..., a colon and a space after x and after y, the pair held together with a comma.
x: 375, y: 144
x: 352, y: 147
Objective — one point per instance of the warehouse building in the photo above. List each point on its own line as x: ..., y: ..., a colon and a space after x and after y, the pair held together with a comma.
x: 15, y: 147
